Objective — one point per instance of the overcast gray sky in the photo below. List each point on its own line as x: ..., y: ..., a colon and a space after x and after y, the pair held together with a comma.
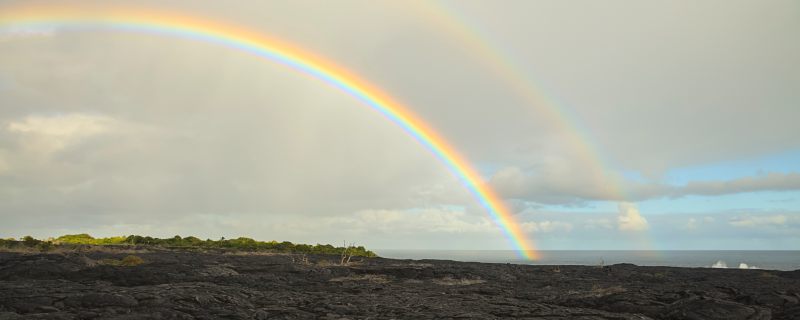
x: 692, y: 108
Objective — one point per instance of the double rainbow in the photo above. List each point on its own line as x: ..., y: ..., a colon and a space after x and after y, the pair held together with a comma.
x: 469, y: 35
x: 172, y: 24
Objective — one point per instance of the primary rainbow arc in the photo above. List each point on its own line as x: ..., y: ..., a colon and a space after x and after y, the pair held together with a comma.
x: 164, y: 23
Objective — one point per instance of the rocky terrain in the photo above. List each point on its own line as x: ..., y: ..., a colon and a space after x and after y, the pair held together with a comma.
x: 191, y: 285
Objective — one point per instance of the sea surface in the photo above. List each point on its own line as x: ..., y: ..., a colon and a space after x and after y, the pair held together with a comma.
x: 773, y: 260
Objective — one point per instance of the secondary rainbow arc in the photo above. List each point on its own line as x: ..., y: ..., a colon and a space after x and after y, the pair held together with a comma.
x: 469, y: 32
x: 167, y: 23
x: 456, y: 25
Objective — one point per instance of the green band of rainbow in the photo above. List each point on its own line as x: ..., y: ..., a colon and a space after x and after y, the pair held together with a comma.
x: 164, y: 23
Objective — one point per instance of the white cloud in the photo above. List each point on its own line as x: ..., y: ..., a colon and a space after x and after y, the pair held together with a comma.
x: 53, y: 133
x: 22, y: 32
x: 629, y: 218
x: 420, y: 220
x: 692, y: 223
x: 750, y: 221
x: 601, y: 223
x: 68, y: 126
x: 547, y: 226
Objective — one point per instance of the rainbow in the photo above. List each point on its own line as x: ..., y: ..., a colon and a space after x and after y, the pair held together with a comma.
x: 455, y: 24
x: 173, y: 24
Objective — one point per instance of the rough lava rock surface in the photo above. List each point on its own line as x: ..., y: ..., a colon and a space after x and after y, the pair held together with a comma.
x: 191, y: 285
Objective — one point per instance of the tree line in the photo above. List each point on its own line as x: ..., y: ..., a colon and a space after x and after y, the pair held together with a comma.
x: 241, y: 243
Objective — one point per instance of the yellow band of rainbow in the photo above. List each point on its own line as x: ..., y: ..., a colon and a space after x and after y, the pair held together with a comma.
x: 172, y: 24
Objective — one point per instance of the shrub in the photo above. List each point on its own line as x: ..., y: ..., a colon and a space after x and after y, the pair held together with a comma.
x: 29, y: 241
x: 131, y: 261
x: 44, y: 246
x: 82, y: 238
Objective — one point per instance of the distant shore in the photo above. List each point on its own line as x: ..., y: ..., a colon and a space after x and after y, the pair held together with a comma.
x: 162, y: 283
x: 785, y: 260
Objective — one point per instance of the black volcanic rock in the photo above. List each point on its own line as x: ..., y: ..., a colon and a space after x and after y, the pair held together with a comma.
x: 697, y: 308
x: 191, y: 285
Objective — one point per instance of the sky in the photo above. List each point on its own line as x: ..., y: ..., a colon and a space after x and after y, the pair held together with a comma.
x: 603, y: 125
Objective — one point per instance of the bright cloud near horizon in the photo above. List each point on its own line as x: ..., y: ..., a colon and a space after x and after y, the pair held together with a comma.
x: 685, y: 115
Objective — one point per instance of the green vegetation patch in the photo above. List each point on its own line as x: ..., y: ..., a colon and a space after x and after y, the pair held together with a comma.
x: 27, y: 243
x: 240, y: 244
x: 129, y: 261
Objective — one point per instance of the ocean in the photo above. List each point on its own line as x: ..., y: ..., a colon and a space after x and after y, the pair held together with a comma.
x: 772, y: 260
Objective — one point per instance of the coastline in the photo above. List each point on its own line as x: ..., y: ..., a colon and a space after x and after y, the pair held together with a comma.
x: 176, y: 284
x: 784, y: 260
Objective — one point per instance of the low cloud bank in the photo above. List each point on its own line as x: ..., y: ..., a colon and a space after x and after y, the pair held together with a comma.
x: 553, y: 185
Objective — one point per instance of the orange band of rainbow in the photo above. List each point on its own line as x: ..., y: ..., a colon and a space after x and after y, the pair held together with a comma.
x: 171, y: 24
